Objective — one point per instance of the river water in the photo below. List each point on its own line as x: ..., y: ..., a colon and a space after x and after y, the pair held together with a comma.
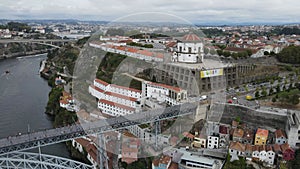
x: 23, y: 98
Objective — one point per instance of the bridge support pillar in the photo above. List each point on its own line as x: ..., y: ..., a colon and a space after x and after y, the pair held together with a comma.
x: 157, y: 132
x: 102, y: 157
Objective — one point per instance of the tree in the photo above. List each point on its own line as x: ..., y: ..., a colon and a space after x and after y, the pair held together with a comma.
x: 278, y: 89
x: 264, y: 93
x: 206, y: 50
x: 249, y: 52
x: 273, y: 99
x: 266, y: 53
x: 226, y: 54
x: 220, y: 52
x: 271, y: 91
x: 294, y: 99
x: 257, y: 94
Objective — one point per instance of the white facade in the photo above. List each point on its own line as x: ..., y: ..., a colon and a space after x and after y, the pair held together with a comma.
x: 188, y: 52
x: 145, y: 135
x: 164, y: 93
x: 213, y: 142
x: 270, y: 157
x: 115, y: 100
x: 262, y: 155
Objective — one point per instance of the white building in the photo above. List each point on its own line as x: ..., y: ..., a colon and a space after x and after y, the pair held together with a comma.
x: 262, y: 153
x: 213, y: 142
x: 237, y: 149
x: 115, y: 100
x: 163, y: 93
x: 270, y: 155
x: 143, y: 132
x: 85, y: 144
x: 189, y: 50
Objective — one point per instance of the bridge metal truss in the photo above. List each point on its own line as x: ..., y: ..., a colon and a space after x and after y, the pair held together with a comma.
x: 53, y: 136
x: 28, y: 160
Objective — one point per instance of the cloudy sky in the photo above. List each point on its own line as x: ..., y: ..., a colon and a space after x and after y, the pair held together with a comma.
x: 195, y: 11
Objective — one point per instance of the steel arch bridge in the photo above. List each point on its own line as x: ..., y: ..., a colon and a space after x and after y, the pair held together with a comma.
x: 26, y: 160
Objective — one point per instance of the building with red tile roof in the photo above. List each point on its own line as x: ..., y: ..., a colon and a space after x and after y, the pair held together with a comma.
x: 287, y: 152
x: 261, y: 137
x: 280, y: 137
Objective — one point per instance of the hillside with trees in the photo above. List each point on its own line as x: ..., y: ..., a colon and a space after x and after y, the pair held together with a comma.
x: 290, y: 54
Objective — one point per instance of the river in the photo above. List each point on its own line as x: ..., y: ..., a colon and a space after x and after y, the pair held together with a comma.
x: 23, y: 98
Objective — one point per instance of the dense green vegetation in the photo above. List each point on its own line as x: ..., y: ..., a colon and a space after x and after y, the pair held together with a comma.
x: 64, y: 57
x: 290, y: 54
x: 142, y: 163
x: 62, y: 116
x: 286, y: 31
x: 76, y: 155
x: 213, y: 32
x: 235, y: 55
x: 290, y: 97
x: 140, y: 45
x: 114, y: 32
x: 296, y: 162
x: 108, y: 67
x: 152, y: 35
x: 16, y: 26
x: 237, y: 164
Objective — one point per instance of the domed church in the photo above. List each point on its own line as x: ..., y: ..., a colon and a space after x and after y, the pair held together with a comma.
x: 189, y: 50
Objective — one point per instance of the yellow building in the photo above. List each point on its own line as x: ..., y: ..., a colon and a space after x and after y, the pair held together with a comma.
x: 261, y: 137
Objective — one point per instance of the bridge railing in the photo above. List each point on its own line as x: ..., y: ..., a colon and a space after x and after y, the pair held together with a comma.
x: 53, y: 136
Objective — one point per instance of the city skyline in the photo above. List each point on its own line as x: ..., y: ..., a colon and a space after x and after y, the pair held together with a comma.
x: 194, y: 11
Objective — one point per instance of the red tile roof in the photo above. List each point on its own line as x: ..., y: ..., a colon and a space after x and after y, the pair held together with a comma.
x: 262, y: 132
x: 177, y: 89
x: 191, y: 37
x: 97, y: 88
x: 121, y: 96
x: 126, y: 88
x: 285, y: 147
x: 279, y: 133
x: 116, y: 105
x: 237, y: 146
x: 277, y: 148
x: 188, y: 135
x: 101, y: 82
x: 238, y: 133
x: 223, y: 130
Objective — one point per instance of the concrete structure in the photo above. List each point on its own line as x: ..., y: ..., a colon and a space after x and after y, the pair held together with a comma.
x: 293, y: 129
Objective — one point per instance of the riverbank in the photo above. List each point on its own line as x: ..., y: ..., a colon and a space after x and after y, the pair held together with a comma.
x: 23, y: 54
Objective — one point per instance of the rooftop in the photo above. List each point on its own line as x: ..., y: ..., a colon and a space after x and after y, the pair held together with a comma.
x: 206, y: 65
x: 262, y: 132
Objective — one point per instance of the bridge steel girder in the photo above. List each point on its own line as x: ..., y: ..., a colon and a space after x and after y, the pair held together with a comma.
x: 57, y: 135
x: 26, y: 160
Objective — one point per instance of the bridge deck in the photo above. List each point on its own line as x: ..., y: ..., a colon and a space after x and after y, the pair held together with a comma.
x: 52, y: 136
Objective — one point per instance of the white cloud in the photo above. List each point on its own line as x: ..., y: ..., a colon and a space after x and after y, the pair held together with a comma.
x: 192, y: 10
